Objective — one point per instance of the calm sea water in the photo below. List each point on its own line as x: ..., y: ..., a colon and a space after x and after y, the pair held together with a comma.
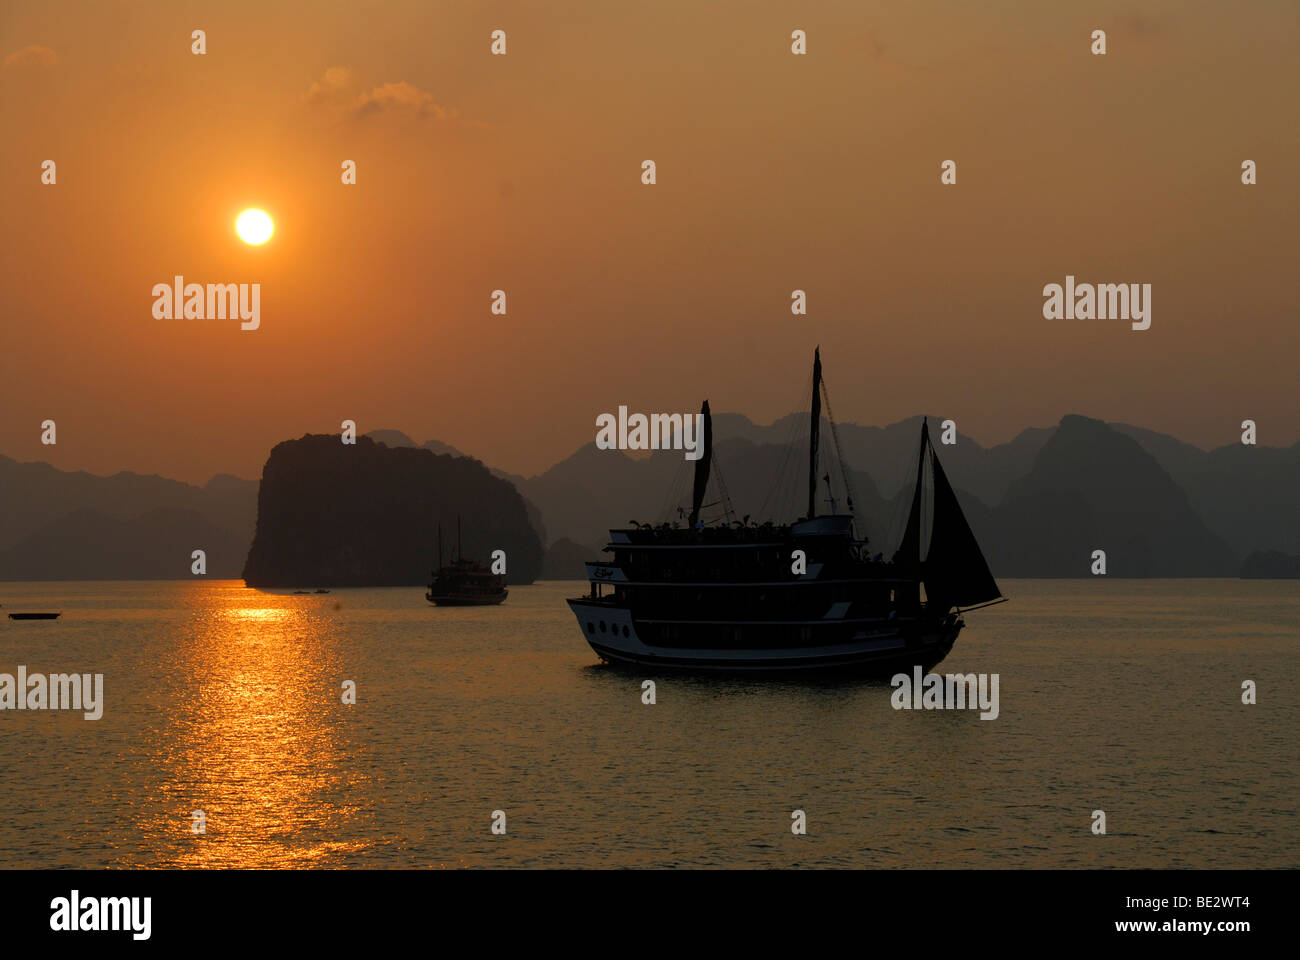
x: 1117, y: 695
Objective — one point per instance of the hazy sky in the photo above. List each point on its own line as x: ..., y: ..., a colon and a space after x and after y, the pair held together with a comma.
x: 523, y: 172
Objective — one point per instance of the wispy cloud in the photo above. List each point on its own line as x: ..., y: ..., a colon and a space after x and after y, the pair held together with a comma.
x: 337, y: 90
x: 401, y: 96
x: 335, y: 81
x: 32, y: 56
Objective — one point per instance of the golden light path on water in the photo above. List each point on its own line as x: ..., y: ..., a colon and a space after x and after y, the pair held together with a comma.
x: 258, y: 745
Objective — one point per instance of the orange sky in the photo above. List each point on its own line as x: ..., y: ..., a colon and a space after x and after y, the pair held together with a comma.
x: 522, y: 172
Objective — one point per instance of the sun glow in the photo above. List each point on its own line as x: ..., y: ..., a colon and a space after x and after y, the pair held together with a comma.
x: 254, y: 226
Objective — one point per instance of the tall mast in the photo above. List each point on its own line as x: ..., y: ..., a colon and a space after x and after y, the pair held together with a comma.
x: 814, y: 435
x: 440, y: 546
x: 702, y: 465
x: 460, y: 552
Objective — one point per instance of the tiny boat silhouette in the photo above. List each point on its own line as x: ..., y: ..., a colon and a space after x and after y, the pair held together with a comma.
x: 319, y: 590
x: 34, y: 616
x: 464, y: 583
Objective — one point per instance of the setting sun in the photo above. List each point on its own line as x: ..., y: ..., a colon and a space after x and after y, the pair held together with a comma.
x: 254, y: 226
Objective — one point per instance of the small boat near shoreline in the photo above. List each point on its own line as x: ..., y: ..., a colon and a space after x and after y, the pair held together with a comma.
x: 35, y: 616
x: 464, y: 583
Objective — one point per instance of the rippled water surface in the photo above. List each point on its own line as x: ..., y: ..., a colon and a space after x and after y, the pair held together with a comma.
x: 1123, y: 696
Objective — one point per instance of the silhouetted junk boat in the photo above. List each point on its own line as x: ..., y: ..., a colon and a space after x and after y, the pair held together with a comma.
x: 726, y: 598
x: 464, y: 583
x: 33, y: 616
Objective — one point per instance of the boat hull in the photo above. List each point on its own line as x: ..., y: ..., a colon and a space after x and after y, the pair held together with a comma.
x: 879, y: 650
x: 467, y: 601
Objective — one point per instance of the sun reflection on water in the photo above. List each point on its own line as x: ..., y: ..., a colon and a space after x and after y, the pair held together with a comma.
x: 258, y: 739
x: 260, y: 614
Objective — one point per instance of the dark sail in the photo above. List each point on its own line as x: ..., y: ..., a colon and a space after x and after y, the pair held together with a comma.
x: 814, y: 436
x: 908, y: 556
x: 955, y: 572
x: 702, y: 465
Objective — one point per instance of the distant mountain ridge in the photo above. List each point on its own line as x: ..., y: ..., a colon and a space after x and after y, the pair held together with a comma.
x: 156, y: 545
x: 1200, y: 512
x: 1092, y: 487
x: 1163, y: 507
x: 1249, y: 495
x: 72, y: 525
